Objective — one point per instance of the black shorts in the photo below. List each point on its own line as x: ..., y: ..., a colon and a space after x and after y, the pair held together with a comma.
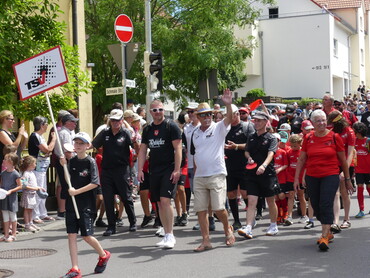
x: 99, y: 190
x: 162, y: 186
x: 146, y: 183
x: 235, y: 179
x: 182, y: 180
x: 286, y: 187
x: 262, y: 186
x: 85, y: 224
x: 362, y: 178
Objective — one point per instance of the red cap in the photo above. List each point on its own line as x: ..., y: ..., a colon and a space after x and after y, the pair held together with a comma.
x: 306, y: 124
x: 244, y: 109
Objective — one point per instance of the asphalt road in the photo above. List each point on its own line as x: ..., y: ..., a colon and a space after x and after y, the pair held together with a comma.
x: 292, y: 253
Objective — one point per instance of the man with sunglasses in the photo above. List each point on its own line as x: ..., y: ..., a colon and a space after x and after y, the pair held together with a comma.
x: 349, y: 115
x: 116, y: 142
x: 163, y: 138
x: 208, y: 142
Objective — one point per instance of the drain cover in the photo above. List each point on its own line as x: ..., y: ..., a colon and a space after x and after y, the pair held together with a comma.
x: 26, y: 253
x: 5, y: 273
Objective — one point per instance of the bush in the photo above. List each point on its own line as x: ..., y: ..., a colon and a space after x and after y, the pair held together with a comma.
x: 256, y: 93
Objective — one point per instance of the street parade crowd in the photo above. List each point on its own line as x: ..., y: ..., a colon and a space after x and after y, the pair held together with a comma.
x: 308, y: 159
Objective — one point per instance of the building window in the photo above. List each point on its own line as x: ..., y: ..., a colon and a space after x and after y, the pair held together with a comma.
x: 335, y: 50
x: 273, y: 12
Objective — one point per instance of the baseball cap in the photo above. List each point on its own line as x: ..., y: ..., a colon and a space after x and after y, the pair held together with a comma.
x: 68, y: 117
x: 261, y: 116
x: 42, y: 194
x: 277, y: 136
x: 116, y: 114
x: 285, y: 127
x: 234, y: 108
x: 289, y: 109
x: 83, y: 136
x: 128, y: 113
x: 244, y: 109
x: 192, y: 105
x: 136, y: 117
x: 306, y: 124
x: 284, y: 136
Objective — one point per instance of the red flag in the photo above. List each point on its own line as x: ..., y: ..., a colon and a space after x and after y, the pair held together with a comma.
x: 255, y: 104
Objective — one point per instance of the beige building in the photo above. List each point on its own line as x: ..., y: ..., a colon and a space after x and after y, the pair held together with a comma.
x: 85, y: 100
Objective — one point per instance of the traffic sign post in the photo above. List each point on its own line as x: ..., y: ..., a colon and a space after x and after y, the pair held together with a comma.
x: 124, y: 31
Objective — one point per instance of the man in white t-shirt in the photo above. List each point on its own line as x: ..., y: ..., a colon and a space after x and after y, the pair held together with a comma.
x: 210, y: 170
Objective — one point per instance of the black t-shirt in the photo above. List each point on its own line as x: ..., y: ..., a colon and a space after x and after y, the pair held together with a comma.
x: 116, y: 148
x: 235, y: 159
x: 159, y: 139
x: 12, y: 137
x: 258, y: 148
x: 295, y: 123
x: 33, y: 145
x: 83, y: 172
x: 365, y: 118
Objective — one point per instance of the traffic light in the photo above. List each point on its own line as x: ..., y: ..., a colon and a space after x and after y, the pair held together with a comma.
x: 155, y: 69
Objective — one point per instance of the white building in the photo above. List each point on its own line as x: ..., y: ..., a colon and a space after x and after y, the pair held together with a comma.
x: 306, y: 48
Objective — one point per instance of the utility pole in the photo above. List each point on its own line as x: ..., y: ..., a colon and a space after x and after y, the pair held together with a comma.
x: 148, y: 47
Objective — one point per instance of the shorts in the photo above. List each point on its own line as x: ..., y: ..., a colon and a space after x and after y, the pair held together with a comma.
x: 85, y: 224
x: 99, y: 191
x: 162, y: 186
x: 233, y: 180
x: 362, y: 178
x: 210, y: 190
x: 262, y: 186
x: 182, y: 180
x: 286, y: 187
x: 145, y: 184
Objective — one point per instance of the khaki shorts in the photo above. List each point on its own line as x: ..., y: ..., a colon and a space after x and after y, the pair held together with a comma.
x: 209, y: 190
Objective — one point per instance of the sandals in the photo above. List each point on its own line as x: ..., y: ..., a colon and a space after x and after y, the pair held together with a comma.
x: 335, y: 229
x: 345, y: 225
x: 230, y: 238
x: 202, y: 248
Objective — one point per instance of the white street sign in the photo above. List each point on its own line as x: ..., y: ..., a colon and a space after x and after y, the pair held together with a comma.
x: 114, y: 91
x: 130, y: 83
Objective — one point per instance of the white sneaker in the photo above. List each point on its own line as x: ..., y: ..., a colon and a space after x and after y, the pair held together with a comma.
x: 161, y: 243
x: 303, y: 219
x: 160, y: 232
x: 246, y: 232
x: 169, y: 242
x: 272, y: 230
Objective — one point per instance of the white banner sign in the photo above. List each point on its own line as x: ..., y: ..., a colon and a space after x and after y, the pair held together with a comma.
x: 40, y: 73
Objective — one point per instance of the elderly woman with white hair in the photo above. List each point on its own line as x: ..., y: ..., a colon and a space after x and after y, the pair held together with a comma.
x: 322, y: 151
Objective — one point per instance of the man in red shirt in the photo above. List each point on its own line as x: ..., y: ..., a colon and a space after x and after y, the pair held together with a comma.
x: 328, y: 104
x: 348, y: 115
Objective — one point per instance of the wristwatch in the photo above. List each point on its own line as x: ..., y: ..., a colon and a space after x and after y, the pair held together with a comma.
x: 264, y: 165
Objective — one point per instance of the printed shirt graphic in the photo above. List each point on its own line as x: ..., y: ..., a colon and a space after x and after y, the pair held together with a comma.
x: 363, y: 156
x: 159, y: 139
x: 83, y: 172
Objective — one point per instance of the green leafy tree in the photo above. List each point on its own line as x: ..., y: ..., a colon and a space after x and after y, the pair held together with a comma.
x: 194, y: 37
x: 27, y: 28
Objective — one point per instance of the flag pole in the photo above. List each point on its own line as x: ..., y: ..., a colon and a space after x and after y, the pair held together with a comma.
x: 66, y: 173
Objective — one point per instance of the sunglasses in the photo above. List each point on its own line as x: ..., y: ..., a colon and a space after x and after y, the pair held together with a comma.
x: 205, y: 115
x: 114, y: 120
x: 155, y: 110
x: 190, y: 111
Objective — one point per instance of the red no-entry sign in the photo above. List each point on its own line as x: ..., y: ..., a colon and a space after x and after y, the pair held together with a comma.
x: 123, y: 28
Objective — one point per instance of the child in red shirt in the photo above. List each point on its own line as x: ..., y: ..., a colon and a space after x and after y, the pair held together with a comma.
x: 280, y: 165
x: 362, y: 169
x: 293, y: 154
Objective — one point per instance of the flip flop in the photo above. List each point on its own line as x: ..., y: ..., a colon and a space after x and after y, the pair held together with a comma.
x: 230, y: 238
x: 202, y: 248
